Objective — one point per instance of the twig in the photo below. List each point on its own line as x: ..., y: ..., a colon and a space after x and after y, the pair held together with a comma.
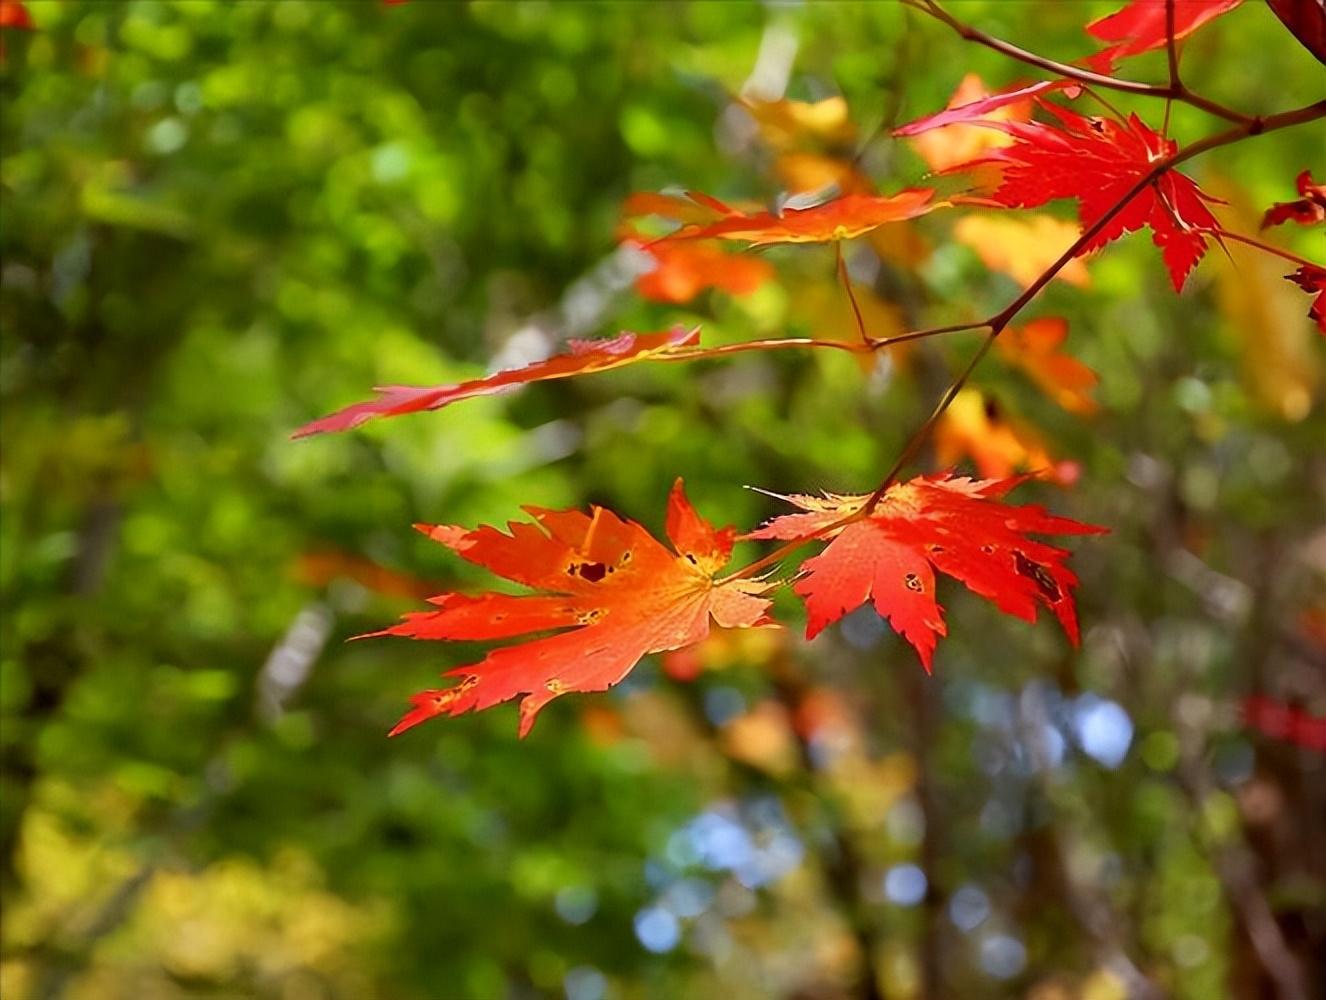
x: 1076, y: 73
x: 851, y: 295
x: 1225, y: 234
x: 1171, y: 49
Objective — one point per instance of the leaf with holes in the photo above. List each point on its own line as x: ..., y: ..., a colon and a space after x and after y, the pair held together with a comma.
x: 611, y: 591
x: 957, y: 526
x: 1037, y: 349
x: 584, y: 356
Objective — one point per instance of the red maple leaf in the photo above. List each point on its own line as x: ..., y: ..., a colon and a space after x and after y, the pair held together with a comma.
x: 1097, y: 161
x: 1142, y: 26
x: 1313, y: 281
x: 583, y: 357
x: 952, y: 524
x: 840, y: 219
x: 1281, y: 721
x: 1308, y: 210
x: 619, y: 592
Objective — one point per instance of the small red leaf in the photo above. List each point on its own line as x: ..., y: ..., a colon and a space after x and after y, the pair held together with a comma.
x: 1313, y: 281
x: 583, y: 357
x: 1142, y: 26
x: 1309, y: 210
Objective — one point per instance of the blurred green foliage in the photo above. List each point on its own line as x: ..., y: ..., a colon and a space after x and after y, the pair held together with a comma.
x: 223, y: 219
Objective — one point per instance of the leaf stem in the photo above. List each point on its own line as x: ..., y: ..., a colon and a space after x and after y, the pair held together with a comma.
x: 1225, y: 234
x: 770, y: 344
x: 851, y: 295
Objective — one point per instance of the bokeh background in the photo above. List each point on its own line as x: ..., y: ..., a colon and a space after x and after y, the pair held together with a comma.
x: 221, y: 220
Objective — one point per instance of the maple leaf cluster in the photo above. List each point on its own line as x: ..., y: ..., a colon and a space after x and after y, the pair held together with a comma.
x: 613, y: 593
x: 605, y: 592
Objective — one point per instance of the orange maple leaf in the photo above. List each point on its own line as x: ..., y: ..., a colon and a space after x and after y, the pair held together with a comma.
x: 1023, y: 248
x: 974, y: 426
x: 683, y: 270
x: 951, y: 524
x: 619, y: 592
x: 1035, y: 348
x: 584, y: 356
x: 13, y: 14
x: 839, y: 219
x: 813, y: 143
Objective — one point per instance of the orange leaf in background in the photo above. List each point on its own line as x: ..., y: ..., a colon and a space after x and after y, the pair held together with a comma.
x: 840, y: 219
x: 786, y: 124
x: 1309, y: 210
x: 814, y: 143
x: 13, y: 14
x: 1142, y: 26
x: 763, y: 738
x: 973, y: 427
x: 694, y: 208
x: 960, y: 141
x: 1313, y: 281
x: 584, y: 356
x: 823, y: 309
x: 1024, y: 247
x: 802, y: 173
x: 1035, y: 348
x: 619, y: 592
x: 951, y: 524
x: 683, y: 270
x: 725, y: 647
x: 319, y: 569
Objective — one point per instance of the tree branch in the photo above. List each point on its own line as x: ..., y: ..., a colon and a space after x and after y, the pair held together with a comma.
x: 1175, y: 92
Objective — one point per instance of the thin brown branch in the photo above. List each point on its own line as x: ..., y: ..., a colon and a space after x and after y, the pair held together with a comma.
x: 851, y: 295
x: 918, y: 438
x: 1172, y: 50
x: 1169, y: 92
x: 1225, y: 234
x: 770, y: 344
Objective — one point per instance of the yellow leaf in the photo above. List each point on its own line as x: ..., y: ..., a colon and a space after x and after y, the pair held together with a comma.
x: 1022, y: 246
